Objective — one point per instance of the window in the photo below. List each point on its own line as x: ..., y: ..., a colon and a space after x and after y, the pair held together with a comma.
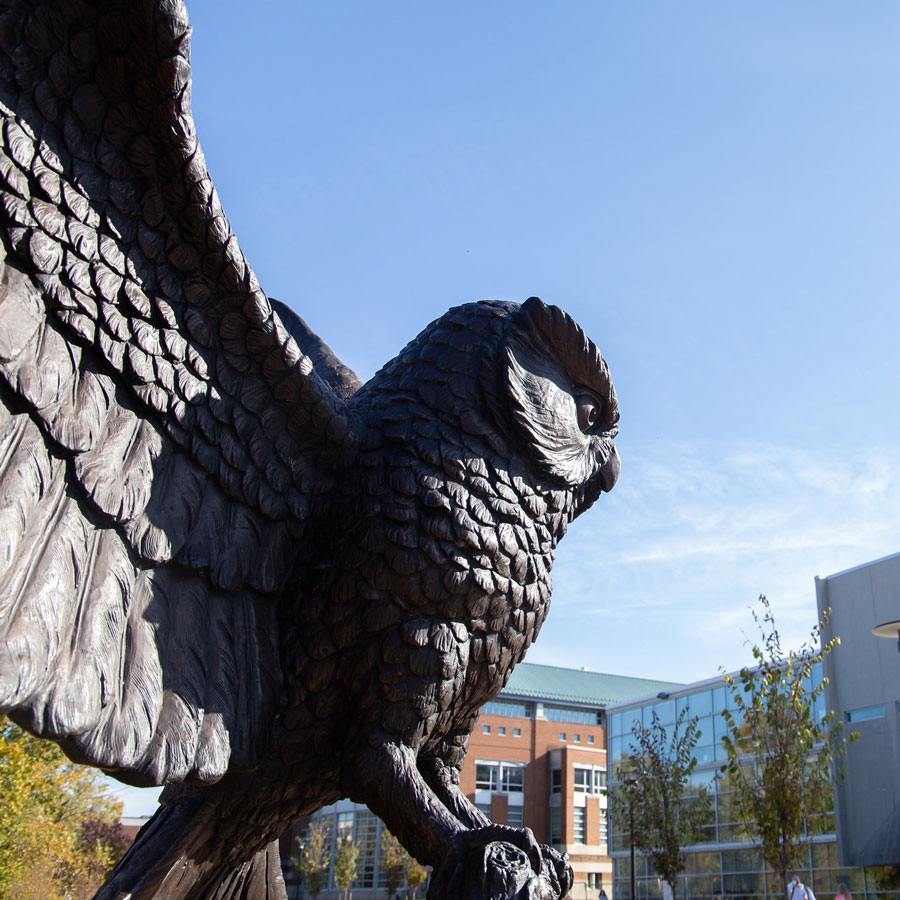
x: 517, y: 732
x: 485, y: 729
x: 562, y: 735
x: 555, y: 781
x: 501, y: 731
x: 576, y: 738
x: 366, y: 839
x: 506, y: 708
x: 701, y: 703
x: 503, y: 777
x: 582, y: 780
x: 345, y: 826
x: 617, y: 724
x: 617, y: 748
x: 485, y: 808
x: 487, y: 777
x: 513, y: 779
x: 589, y: 779
x: 665, y: 712
x: 514, y: 816
x: 578, y: 825
x: 555, y: 825
x: 870, y: 712
x: 590, y: 739
x: 604, y: 826
x: 567, y: 714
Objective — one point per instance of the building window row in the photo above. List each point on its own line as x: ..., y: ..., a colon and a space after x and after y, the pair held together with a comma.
x: 568, y: 714
x: 549, y: 711
x: 576, y: 738
x: 703, y: 705
x: 501, y: 730
x: 741, y: 873
x: 587, y: 779
x: 508, y: 708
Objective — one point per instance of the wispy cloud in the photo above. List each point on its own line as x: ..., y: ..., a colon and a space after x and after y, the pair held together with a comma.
x: 660, y: 578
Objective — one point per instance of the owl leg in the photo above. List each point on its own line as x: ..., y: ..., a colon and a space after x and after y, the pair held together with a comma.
x: 389, y: 783
x: 443, y: 778
x: 488, y: 862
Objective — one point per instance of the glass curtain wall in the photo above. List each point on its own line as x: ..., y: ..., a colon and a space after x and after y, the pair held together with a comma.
x: 724, y: 865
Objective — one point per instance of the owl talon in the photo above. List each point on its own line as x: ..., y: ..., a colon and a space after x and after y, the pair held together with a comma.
x: 500, y: 863
x: 523, y: 838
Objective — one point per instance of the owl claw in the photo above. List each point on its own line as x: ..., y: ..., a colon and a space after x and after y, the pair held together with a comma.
x: 500, y: 863
x: 523, y: 838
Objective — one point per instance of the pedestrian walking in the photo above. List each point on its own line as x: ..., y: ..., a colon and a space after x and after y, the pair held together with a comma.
x: 797, y: 890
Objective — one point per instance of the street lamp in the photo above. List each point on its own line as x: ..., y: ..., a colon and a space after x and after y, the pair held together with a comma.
x: 888, y: 630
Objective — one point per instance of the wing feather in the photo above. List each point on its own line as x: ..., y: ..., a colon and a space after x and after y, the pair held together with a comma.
x: 162, y: 432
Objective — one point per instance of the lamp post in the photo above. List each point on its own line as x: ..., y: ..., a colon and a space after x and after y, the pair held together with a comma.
x: 632, y: 782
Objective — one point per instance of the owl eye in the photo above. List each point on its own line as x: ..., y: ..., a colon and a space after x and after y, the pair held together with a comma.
x: 588, y: 409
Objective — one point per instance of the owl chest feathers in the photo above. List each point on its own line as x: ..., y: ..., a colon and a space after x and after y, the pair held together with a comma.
x: 463, y: 538
x: 446, y: 571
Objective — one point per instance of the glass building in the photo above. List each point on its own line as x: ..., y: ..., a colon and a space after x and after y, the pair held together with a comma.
x: 724, y: 865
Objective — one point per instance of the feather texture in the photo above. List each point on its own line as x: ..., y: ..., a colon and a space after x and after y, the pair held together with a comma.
x: 162, y: 432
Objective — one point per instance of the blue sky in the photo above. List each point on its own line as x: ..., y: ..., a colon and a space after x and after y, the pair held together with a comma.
x: 713, y: 192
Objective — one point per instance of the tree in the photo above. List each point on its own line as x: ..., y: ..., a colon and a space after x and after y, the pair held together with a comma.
x: 314, y: 859
x: 398, y: 866
x: 415, y: 875
x: 345, y: 858
x: 653, y: 785
x: 59, y: 827
x: 393, y: 862
x: 780, y: 754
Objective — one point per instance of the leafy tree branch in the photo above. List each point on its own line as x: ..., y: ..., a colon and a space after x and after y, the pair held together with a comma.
x: 781, y: 753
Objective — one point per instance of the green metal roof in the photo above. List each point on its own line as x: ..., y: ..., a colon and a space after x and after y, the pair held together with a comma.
x: 578, y: 686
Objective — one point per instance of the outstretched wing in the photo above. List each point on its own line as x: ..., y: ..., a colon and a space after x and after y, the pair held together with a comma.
x: 162, y: 435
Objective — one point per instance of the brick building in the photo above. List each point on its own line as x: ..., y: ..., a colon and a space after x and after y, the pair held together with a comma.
x: 537, y: 757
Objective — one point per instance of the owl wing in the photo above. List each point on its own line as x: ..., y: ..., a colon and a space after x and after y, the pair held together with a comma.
x: 162, y: 434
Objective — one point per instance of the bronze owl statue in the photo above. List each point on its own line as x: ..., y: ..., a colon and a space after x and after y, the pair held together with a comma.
x: 226, y: 566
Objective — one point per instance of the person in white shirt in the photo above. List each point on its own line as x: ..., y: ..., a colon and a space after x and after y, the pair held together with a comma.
x: 797, y: 890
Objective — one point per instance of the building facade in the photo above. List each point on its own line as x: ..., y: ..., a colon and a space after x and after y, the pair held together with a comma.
x: 537, y: 758
x: 724, y: 865
x: 864, y: 691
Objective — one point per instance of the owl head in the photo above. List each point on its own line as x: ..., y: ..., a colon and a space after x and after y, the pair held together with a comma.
x: 519, y: 385
x: 560, y: 400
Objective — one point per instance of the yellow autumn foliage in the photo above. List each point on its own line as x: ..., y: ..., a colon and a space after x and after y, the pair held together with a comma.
x: 59, y: 833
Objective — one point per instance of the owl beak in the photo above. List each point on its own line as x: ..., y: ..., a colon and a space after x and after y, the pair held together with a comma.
x: 601, y: 483
x: 609, y: 474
